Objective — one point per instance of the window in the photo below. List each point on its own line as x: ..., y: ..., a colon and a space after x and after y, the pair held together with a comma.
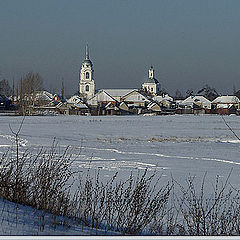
x: 87, y: 75
x: 87, y: 88
x: 151, y: 89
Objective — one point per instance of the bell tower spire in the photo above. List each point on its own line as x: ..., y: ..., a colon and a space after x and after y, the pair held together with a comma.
x: 86, y: 79
x: 87, y: 53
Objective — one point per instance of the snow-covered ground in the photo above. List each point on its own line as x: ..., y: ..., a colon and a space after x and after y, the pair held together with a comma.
x: 22, y: 220
x: 178, y: 146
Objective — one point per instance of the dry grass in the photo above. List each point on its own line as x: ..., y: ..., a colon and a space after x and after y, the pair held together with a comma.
x: 127, y: 207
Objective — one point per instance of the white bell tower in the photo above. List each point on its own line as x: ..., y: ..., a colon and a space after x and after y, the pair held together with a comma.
x: 86, y: 80
x: 151, y: 85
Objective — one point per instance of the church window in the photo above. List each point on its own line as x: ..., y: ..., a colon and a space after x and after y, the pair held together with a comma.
x: 87, y: 75
x: 87, y: 88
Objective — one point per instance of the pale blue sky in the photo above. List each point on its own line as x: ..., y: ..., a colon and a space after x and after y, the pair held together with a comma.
x: 189, y: 42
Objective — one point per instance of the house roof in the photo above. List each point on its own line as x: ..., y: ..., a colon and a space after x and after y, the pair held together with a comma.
x: 201, y: 101
x: 152, y: 105
x: 226, y: 99
x: 102, y: 96
x: 110, y: 106
x: 74, y: 99
x: 80, y: 105
x: 161, y: 98
x: 118, y: 92
x: 43, y: 96
x: 135, y: 96
x: 196, y: 99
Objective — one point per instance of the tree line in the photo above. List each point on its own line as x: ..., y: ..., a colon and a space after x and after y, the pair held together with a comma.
x: 29, y: 84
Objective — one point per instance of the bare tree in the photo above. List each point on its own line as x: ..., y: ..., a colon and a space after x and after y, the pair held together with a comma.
x: 178, y: 95
x: 208, y: 92
x: 62, y: 90
x: 5, y: 88
x: 189, y: 93
x: 29, y: 85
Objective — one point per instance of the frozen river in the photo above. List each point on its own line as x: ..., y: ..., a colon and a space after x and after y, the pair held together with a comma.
x: 179, y: 145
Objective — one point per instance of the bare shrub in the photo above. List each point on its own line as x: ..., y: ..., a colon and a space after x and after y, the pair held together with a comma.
x: 127, y: 207
x: 206, y: 214
x: 39, y: 180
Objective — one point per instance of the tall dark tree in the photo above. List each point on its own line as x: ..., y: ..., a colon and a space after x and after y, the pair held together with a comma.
x: 5, y: 88
x: 189, y: 92
x: 178, y: 95
x: 208, y: 92
x: 13, y: 90
x: 17, y: 93
x: 62, y: 90
x: 237, y: 93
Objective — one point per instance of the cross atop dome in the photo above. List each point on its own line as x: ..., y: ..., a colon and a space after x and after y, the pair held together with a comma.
x: 87, y: 53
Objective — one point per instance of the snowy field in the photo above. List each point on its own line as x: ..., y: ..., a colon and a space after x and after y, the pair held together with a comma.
x: 177, y: 146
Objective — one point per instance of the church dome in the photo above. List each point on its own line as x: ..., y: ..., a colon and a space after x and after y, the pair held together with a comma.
x: 88, y: 62
x: 152, y: 80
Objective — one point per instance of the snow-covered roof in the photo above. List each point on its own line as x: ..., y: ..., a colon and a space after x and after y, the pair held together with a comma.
x: 80, y: 105
x: 43, y: 96
x: 161, y: 98
x: 226, y: 99
x: 199, y: 100
x: 135, y: 96
x: 195, y: 99
x: 74, y: 99
x: 101, y: 96
x: 110, y: 106
x: 153, y: 105
x: 118, y: 92
x: 150, y: 105
x: 104, y: 96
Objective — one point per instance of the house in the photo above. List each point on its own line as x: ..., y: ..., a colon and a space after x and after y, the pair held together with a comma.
x: 58, y: 98
x: 166, y: 102
x: 194, y: 104
x: 154, y: 107
x: 42, y: 98
x: 136, y: 101
x: 225, y: 104
x: 101, y: 98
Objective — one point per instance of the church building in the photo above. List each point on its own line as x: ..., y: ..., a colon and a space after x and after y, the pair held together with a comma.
x: 86, y: 78
x: 151, y: 85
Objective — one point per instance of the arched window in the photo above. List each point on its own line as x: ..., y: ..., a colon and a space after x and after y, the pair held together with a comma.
x: 87, y: 88
x: 87, y: 75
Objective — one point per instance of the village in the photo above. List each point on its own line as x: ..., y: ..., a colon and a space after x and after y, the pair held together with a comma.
x: 150, y: 99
